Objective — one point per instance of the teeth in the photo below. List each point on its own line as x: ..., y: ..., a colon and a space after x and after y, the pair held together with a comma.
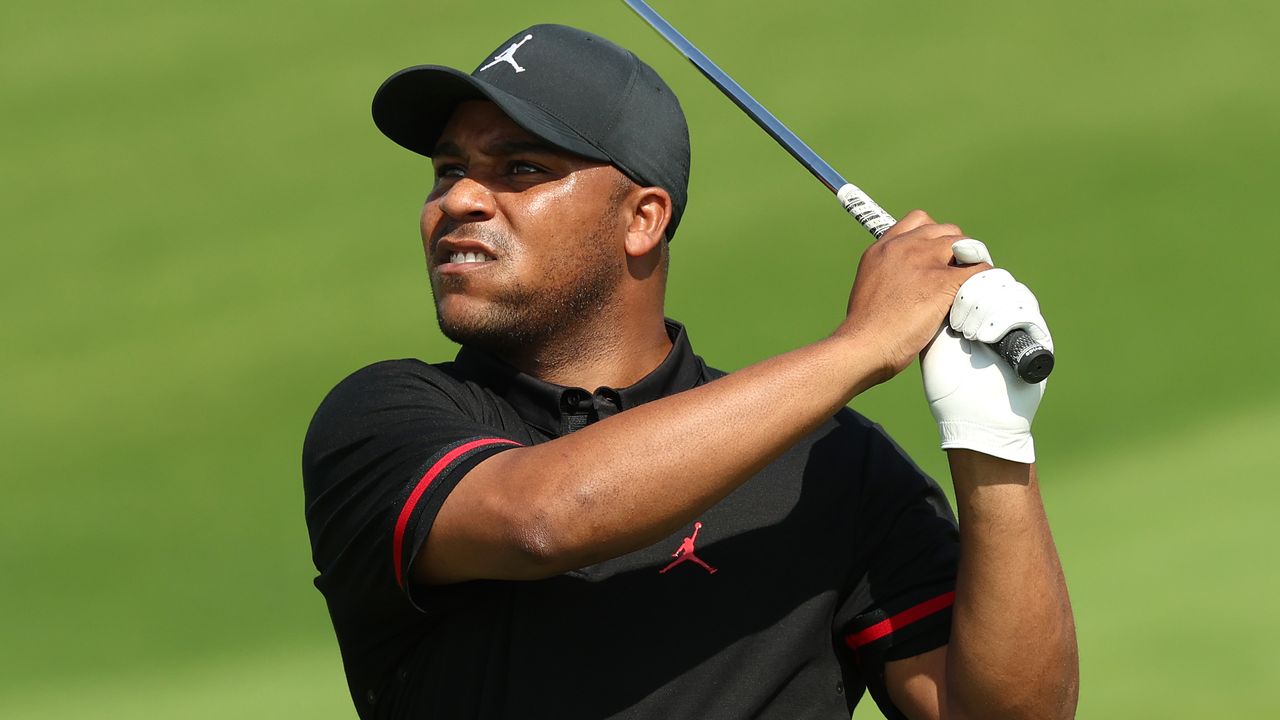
x: 468, y: 257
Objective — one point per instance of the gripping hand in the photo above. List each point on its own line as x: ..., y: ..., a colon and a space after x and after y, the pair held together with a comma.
x: 978, y: 402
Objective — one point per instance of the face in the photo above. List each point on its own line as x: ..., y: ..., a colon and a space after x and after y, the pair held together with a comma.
x: 523, y: 240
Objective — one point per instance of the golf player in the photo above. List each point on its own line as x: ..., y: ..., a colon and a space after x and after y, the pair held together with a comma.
x: 578, y: 518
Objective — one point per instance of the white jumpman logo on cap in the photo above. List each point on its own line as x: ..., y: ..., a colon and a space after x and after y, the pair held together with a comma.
x: 508, y: 56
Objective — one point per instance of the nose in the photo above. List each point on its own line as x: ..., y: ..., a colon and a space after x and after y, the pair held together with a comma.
x: 467, y: 200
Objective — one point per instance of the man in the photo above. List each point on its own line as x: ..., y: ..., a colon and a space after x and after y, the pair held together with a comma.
x: 495, y: 538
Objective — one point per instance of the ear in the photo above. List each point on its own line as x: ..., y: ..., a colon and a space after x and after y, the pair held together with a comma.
x: 648, y: 224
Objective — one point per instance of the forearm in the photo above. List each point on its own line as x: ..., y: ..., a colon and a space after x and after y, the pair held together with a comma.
x: 633, y: 479
x: 1013, y: 644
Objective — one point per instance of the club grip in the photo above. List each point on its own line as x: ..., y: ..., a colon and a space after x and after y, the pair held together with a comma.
x: 1032, y: 361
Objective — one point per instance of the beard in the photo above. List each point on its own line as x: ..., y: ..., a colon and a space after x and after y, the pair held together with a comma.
x: 519, y: 318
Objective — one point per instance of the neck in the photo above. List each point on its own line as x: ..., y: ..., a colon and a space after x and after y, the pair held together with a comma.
x: 593, y: 357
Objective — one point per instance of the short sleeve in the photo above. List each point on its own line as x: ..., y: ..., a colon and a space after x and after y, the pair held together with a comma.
x: 901, y: 605
x: 383, y: 451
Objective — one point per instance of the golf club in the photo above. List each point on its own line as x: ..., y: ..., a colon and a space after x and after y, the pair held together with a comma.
x: 1030, y: 360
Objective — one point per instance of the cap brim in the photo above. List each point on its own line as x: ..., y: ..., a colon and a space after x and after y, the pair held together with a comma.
x: 413, y: 106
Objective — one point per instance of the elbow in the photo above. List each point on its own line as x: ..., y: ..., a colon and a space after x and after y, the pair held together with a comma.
x: 537, y: 550
x: 562, y: 519
x: 519, y: 517
x: 546, y: 540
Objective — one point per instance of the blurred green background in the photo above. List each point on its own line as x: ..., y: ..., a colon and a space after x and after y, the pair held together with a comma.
x: 203, y: 232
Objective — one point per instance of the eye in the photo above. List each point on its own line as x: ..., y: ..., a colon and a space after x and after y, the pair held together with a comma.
x: 449, y: 170
x: 520, y: 167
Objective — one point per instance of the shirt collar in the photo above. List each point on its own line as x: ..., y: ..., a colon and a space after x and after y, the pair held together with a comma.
x: 560, y: 410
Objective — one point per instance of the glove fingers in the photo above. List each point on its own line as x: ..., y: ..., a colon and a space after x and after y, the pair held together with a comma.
x: 1010, y: 305
x: 1002, y: 321
x: 978, y: 297
x: 992, y: 303
x: 969, y: 251
x: 1038, y: 329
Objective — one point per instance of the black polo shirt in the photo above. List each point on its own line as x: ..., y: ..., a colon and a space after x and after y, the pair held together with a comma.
x: 783, y: 601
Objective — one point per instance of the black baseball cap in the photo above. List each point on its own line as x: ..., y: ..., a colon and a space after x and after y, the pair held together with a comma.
x: 575, y: 90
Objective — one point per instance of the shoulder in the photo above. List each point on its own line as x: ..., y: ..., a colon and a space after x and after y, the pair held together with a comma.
x: 387, y: 395
x: 405, y: 374
x: 392, y: 382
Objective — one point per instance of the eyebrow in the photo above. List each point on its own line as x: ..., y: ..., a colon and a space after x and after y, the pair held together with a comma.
x: 506, y: 147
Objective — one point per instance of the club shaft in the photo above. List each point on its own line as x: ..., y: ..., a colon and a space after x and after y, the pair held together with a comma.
x: 855, y: 201
x: 754, y: 110
x: 1029, y: 359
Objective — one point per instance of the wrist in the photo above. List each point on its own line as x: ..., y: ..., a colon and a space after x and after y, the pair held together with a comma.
x: 972, y: 470
x: 966, y: 458
x: 868, y: 359
x: 991, y: 489
x: 862, y: 360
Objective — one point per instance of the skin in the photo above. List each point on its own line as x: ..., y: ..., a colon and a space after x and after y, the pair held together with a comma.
x: 553, y: 301
x: 536, y: 512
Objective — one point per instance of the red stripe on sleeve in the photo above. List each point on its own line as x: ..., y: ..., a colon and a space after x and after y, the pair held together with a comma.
x: 901, y: 620
x: 397, y: 539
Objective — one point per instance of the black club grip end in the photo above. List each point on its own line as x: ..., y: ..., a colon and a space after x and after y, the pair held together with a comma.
x: 1032, y: 361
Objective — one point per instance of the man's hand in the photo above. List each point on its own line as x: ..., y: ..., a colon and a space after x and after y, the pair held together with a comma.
x: 905, y: 284
x: 979, y: 402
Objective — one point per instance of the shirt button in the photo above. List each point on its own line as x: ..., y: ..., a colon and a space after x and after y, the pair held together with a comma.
x: 372, y: 697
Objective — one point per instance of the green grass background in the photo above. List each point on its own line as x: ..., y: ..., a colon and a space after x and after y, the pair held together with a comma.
x: 203, y: 231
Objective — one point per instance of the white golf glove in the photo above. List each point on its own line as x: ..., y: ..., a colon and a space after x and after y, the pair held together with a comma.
x: 978, y: 401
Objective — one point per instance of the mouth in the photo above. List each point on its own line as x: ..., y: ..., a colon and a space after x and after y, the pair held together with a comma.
x: 468, y: 258
x: 454, y: 257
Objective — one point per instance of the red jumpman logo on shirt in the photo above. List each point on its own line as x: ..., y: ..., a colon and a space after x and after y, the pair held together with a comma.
x: 685, y: 552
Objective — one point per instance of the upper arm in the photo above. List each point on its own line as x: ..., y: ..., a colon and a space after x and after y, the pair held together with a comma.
x: 897, y: 619
x: 383, y: 452
x: 486, y: 528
